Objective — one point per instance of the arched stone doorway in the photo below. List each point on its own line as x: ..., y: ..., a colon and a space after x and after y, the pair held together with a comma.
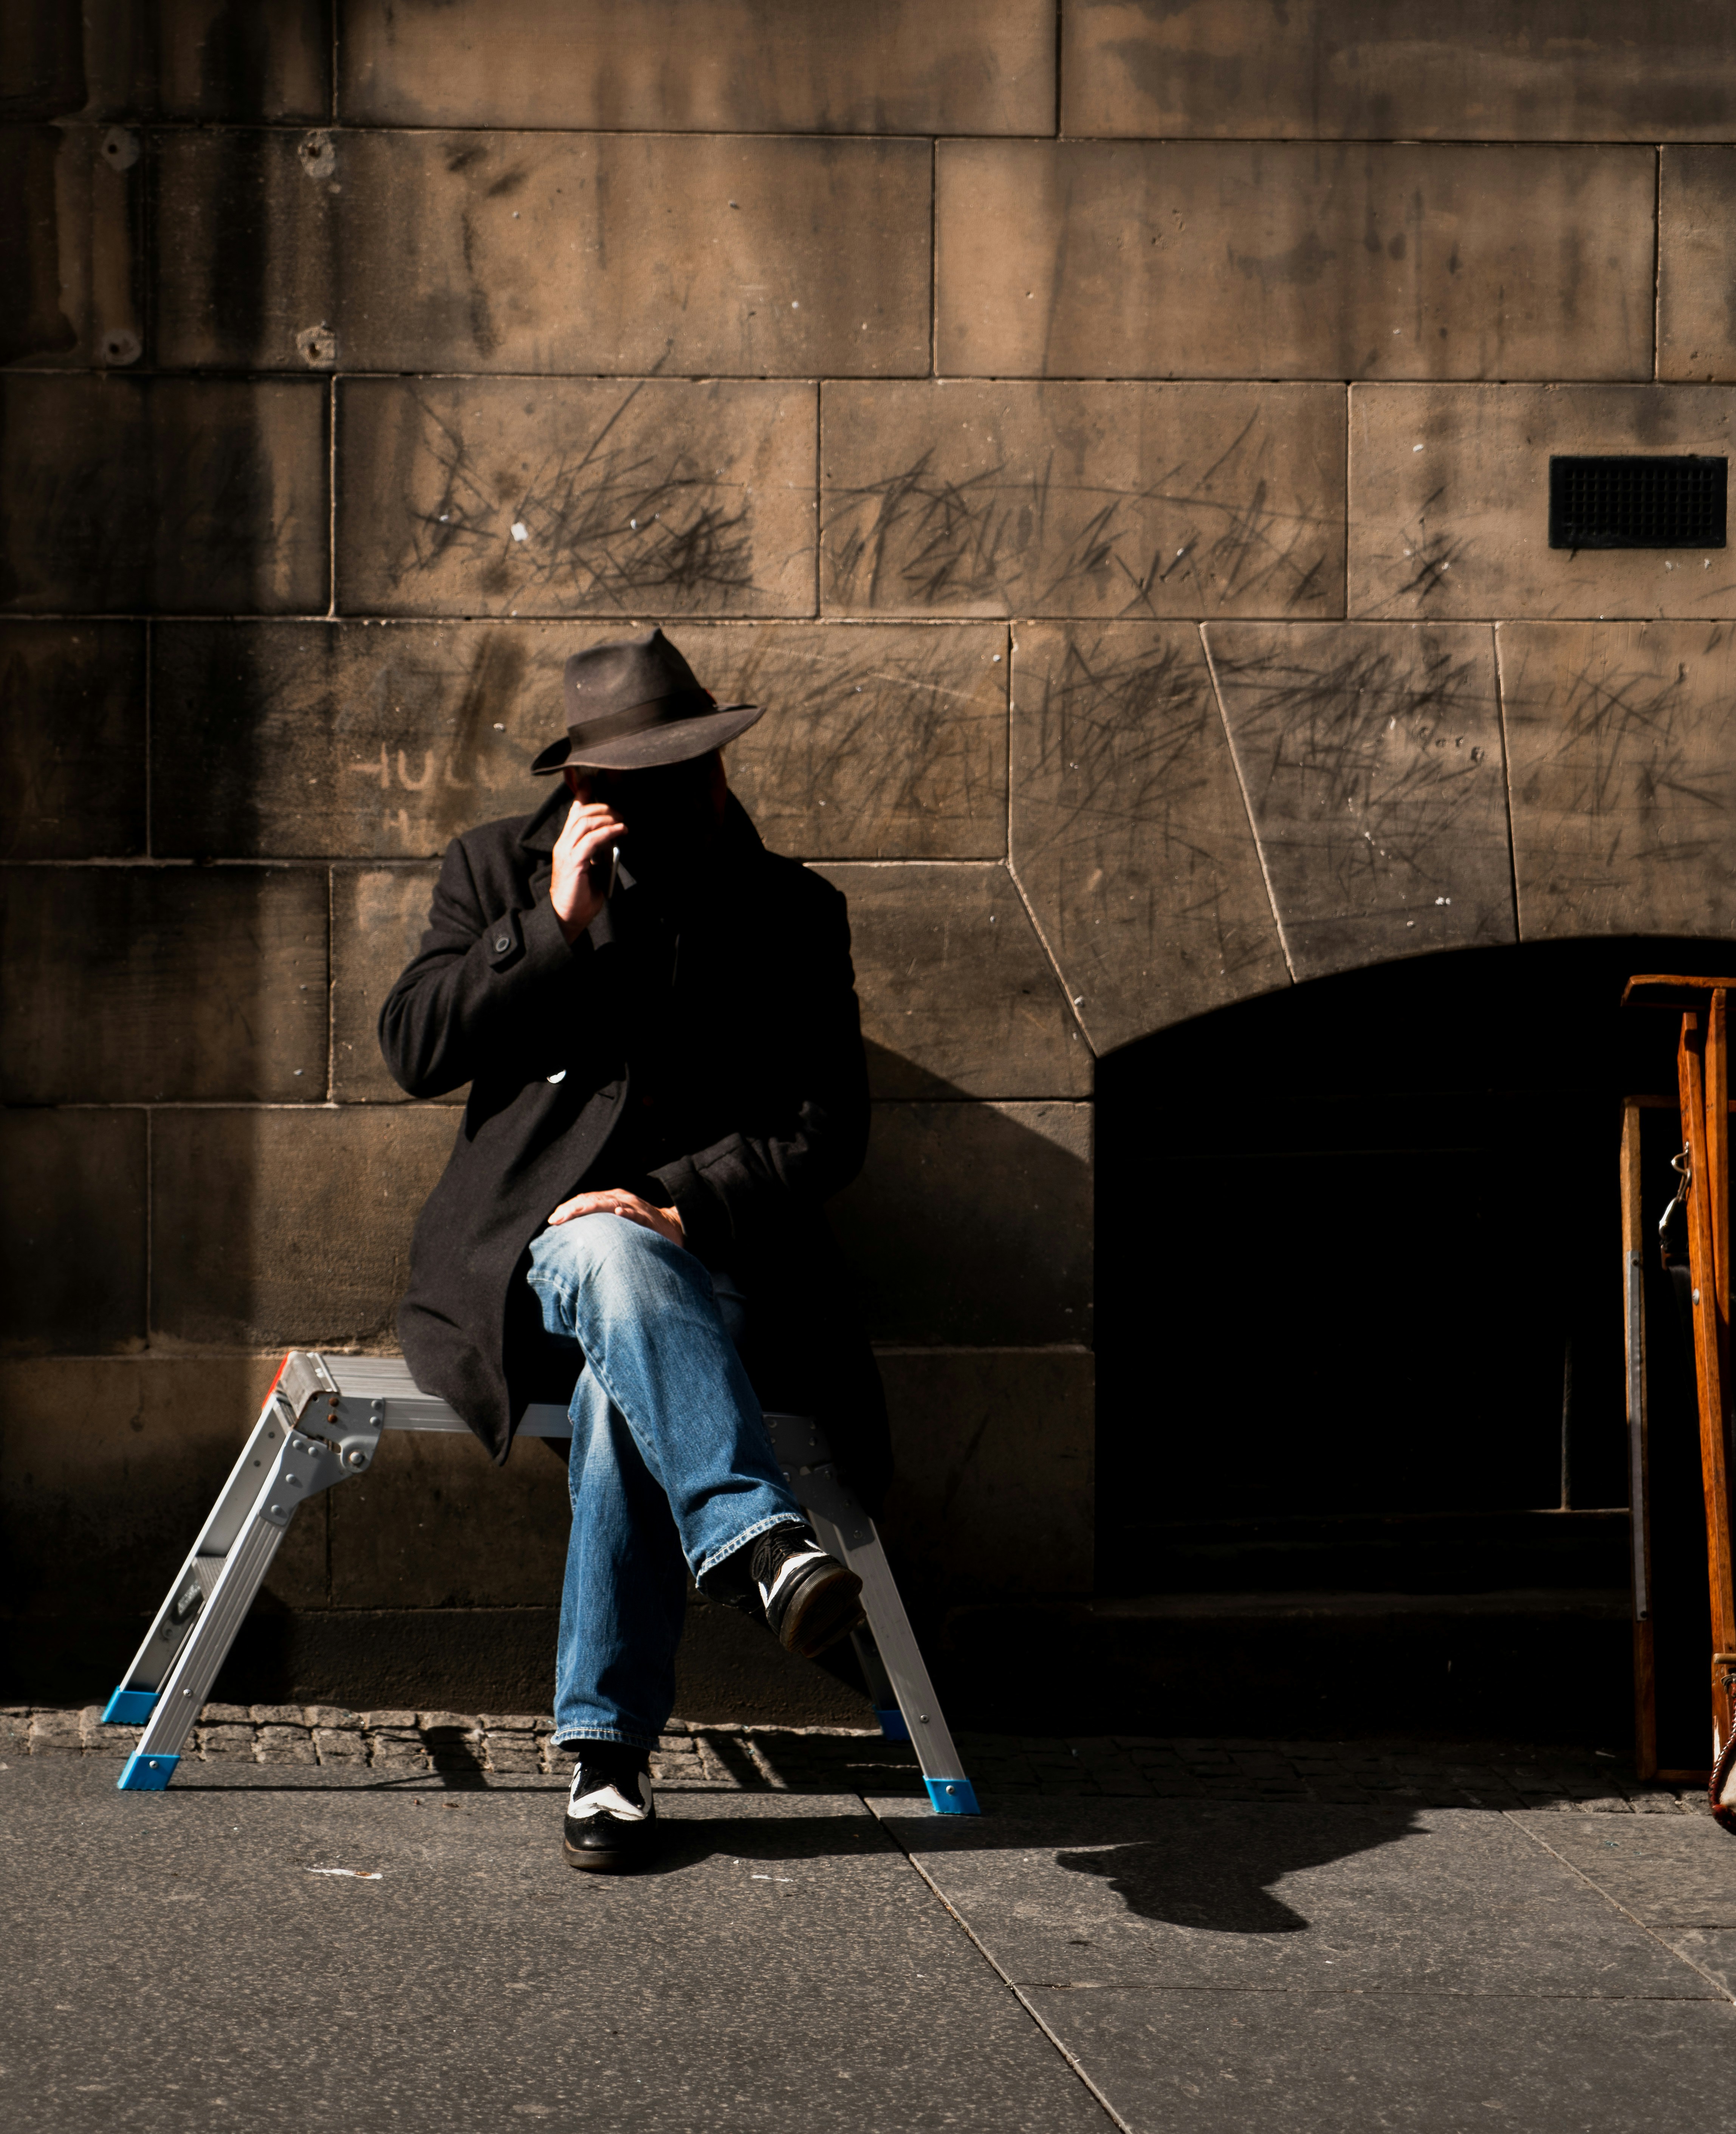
x: 1361, y: 1408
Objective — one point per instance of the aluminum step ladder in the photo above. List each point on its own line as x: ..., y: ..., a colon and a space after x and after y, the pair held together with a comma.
x: 321, y: 1424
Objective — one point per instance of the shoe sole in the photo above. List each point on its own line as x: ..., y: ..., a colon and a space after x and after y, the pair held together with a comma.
x: 599, y: 1860
x: 826, y: 1605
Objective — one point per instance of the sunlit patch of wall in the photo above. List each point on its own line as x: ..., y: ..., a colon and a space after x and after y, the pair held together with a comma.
x: 1112, y: 441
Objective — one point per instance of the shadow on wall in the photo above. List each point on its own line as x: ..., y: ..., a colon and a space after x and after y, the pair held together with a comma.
x: 433, y: 1579
x: 971, y: 1223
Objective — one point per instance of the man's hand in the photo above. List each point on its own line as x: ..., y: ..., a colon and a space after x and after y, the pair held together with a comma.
x: 615, y: 1201
x: 590, y: 829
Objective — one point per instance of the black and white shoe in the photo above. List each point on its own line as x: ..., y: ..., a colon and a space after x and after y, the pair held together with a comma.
x: 810, y: 1599
x: 611, y: 1817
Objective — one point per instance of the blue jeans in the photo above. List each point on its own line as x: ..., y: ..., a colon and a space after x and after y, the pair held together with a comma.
x: 670, y: 1469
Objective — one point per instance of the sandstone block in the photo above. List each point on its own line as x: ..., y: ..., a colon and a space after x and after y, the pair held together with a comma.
x: 726, y: 67
x: 513, y: 1755
x: 1370, y: 756
x: 399, y: 1757
x: 199, y: 495
x: 72, y: 740
x: 1129, y: 834
x: 56, y: 1734
x: 1206, y: 259
x: 288, y: 1226
x: 109, y: 1467
x: 434, y: 1523
x: 346, y: 741
x: 72, y: 1231
x: 378, y: 918
x: 958, y: 996
x: 358, y: 740
x: 70, y: 246
x: 245, y: 263
x: 1623, y: 758
x: 130, y: 985
x: 887, y: 743
x: 1099, y: 499
x: 353, y: 739
x: 103, y: 1740
x: 663, y: 495
x: 971, y: 1224
x: 1696, y: 264
x: 284, y: 1745
x: 460, y: 1725
x: 1330, y: 70
x: 1450, y: 501
x: 171, y: 59
x: 227, y: 1741
x: 993, y: 1489
x: 601, y: 254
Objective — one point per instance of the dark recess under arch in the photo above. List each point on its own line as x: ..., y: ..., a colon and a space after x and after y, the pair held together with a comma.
x: 1359, y: 1301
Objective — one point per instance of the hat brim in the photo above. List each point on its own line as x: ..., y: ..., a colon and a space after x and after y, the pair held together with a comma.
x: 677, y: 742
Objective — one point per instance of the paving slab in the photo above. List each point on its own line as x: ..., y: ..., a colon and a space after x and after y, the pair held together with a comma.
x: 1220, y: 1965
x: 226, y: 1947
x: 1320, y: 2063
x: 1713, y: 1950
x: 1675, y: 1871
x: 1291, y: 1897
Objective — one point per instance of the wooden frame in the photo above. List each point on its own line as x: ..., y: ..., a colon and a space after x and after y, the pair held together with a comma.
x: 1703, y: 1094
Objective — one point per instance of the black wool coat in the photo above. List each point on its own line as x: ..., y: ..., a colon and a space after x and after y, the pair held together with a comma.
x: 705, y: 1051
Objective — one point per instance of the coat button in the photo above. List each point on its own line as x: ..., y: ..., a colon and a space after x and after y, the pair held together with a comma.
x: 502, y: 941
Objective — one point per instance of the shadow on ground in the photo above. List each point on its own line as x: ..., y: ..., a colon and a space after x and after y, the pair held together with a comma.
x: 1227, y: 1890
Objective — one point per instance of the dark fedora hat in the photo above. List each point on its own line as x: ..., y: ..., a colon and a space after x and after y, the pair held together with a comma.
x: 635, y: 703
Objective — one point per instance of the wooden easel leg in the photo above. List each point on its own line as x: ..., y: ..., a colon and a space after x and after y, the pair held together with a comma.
x: 1639, y: 1464
x: 1702, y: 1068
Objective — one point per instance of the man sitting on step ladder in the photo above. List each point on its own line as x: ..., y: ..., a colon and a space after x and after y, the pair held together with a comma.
x: 657, y: 1020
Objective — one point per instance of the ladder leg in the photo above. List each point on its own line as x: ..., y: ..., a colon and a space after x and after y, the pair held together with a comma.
x: 235, y: 1580
x: 846, y: 1531
x: 165, y: 1688
x: 942, y: 1769
x: 881, y: 1693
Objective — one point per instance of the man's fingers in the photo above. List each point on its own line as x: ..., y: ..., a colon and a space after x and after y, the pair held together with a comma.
x: 597, y: 840
x: 581, y: 822
x: 601, y: 1204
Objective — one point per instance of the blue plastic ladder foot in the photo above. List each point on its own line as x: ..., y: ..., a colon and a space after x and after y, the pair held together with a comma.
x: 145, y: 1775
x: 952, y: 1796
x: 892, y: 1723
x: 129, y: 1708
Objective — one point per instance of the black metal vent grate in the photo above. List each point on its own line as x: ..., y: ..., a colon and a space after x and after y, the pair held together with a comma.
x: 1630, y: 502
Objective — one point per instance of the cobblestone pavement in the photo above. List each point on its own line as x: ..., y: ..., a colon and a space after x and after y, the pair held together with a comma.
x: 831, y: 1760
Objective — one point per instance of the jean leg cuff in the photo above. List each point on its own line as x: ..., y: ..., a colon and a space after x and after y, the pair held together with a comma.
x: 620, y: 1737
x: 748, y: 1534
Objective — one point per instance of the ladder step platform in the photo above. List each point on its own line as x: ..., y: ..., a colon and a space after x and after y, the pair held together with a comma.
x: 321, y: 1424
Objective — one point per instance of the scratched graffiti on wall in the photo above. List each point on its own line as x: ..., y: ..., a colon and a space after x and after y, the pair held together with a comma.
x: 595, y: 505
x: 889, y: 744
x: 1624, y: 774
x: 1202, y: 534
x: 1129, y: 831
x: 1371, y: 758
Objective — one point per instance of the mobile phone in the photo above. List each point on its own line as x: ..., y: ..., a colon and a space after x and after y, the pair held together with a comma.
x: 602, y: 871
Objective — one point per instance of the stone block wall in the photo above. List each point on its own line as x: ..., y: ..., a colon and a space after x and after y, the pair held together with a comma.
x: 1112, y: 439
